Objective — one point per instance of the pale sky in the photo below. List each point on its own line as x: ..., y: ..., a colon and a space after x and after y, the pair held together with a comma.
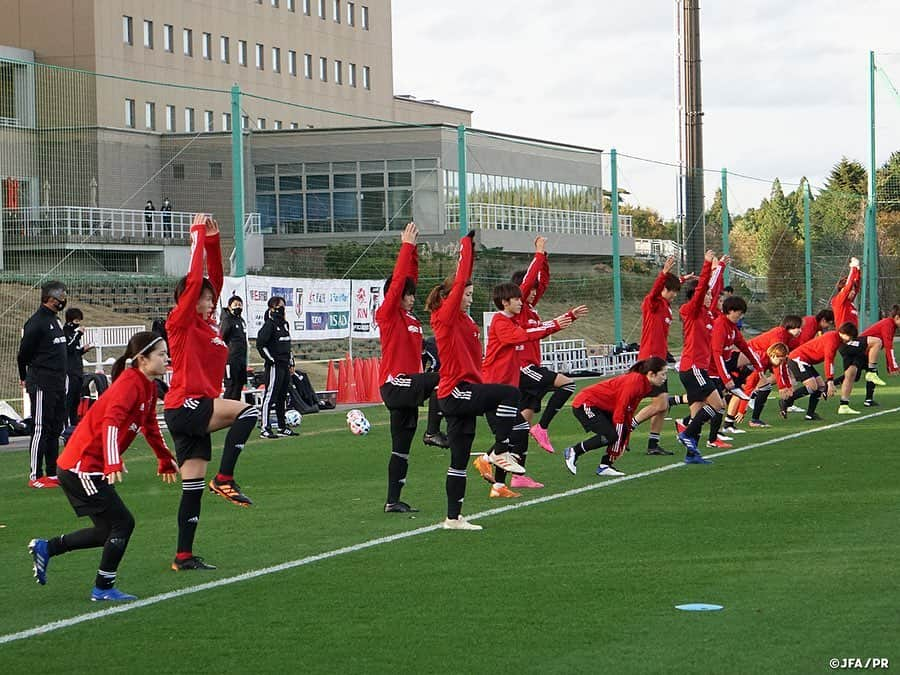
x: 785, y: 85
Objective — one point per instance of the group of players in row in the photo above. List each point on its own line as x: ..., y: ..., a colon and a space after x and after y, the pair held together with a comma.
x: 506, y: 384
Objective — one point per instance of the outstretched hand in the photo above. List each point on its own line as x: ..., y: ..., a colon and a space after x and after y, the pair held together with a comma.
x: 410, y: 234
x: 669, y: 264
x: 540, y: 244
x: 113, y: 477
x: 212, y: 227
x: 564, y: 320
x: 578, y: 312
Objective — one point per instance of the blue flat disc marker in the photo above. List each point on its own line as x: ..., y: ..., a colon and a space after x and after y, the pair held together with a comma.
x: 699, y: 607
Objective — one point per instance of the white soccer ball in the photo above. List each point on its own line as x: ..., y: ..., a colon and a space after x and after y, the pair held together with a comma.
x: 359, y: 426
x: 293, y: 418
x: 354, y: 414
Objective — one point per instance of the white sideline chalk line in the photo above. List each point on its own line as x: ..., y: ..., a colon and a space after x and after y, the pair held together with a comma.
x: 300, y: 562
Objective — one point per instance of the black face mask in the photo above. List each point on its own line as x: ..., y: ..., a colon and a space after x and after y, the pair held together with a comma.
x: 237, y: 311
x: 59, y: 304
x: 278, y: 313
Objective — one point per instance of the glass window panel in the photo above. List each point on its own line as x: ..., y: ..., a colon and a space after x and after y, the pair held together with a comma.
x: 426, y: 164
x: 288, y: 169
x: 344, y: 180
x: 290, y: 183
x: 399, y: 164
x: 318, y: 182
x: 318, y: 212
x: 400, y: 179
x: 346, y: 212
x: 399, y: 208
x: 265, y: 184
x: 372, y: 210
x: 370, y: 180
x: 265, y: 169
x: 343, y: 167
x: 266, y: 206
x: 318, y: 167
x: 371, y: 166
x: 291, y: 213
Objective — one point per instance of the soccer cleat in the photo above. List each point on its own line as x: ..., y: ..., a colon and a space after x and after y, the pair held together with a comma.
x: 570, y: 457
x: 795, y: 409
x: 229, y: 490
x: 783, y: 409
x: 41, y: 558
x: 609, y: 470
x: 846, y: 410
x: 399, y: 507
x: 37, y: 483
x: 758, y: 424
x: 540, y: 434
x: 437, y: 440
x: 815, y: 417
x: 737, y: 392
x: 659, y: 450
x: 268, y: 433
x: 733, y: 430
x: 680, y: 426
x: 719, y: 443
x: 506, y: 461
x: 192, y: 563
x: 500, y: 491
x: 459, y: 524
x: 688, y: 442
x: 484, y: 467
x: 872, y: 377
x: 696, y: 458
x: 287, y: 431
x: 525, y: 482
x: 50, y: 481
x: 723, y: 437
x: 110, y: 595
x: 868, y: 403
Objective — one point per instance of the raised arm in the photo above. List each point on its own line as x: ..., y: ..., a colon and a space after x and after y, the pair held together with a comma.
x: 407, y: 265
x: 537, y: 276
x: 186, y: 306
x: 463, y: 274
x: 694, y: 305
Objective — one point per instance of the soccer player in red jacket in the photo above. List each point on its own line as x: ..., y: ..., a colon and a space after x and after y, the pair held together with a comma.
x: 506, y: 340
x: 193, y: 407
x: 803, y: 358
x: 462, y: 395
x: 404, y: 387
x: 881, y: 336
x: 92, y: 463
x: 535, y: 380
x: 812, y: 325
x: 608, y: 409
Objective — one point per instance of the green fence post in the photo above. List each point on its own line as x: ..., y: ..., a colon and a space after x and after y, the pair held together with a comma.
x: 807, y: 248
x: 871, y: 269
x: 463, y: 189
x: 237, y: 181
x: 726, y: 235
x: 617, y: 263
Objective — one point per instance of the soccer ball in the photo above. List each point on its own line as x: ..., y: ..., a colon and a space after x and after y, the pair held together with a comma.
x: 359, y: 426
x: 354, y: 414
x: 293, y: 418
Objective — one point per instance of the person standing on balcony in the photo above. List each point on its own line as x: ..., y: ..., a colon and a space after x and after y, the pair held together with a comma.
x: 149, y: 215
x: 167, y: 217
x: 42, y: 371
x: 234, y: 332
x: 74, y: 332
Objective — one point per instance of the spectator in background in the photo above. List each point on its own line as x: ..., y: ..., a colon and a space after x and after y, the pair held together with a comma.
x: 149, y: 211
x: 274, y: 344
x: 234, y: 332
x: 74, y: 332
x: 167, y: 217
x: 42, y: 371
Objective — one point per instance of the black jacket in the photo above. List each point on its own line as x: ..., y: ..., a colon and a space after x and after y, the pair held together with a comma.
x: 74, y: 350
x: 234, y: 333
x: 42, y: 352
x: 274, y: 341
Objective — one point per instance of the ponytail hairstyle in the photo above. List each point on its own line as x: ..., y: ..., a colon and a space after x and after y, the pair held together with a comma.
x: 895, y: 311
x: 140, y: 344
x: 654, y: 364
x: 778, y: 349
x: 182, y: 285
x: 437, y: 294
x: 825, y: 315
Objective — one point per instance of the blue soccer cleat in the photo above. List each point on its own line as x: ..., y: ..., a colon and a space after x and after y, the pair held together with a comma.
x: 688, y: 442
x: 696, y: 458
x: 41, y: 557
x: 110, y: 595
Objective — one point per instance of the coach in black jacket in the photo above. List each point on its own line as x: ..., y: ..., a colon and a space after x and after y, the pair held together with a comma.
x: 234, y: 333
x: 274, y: 344
x: 42, y: 369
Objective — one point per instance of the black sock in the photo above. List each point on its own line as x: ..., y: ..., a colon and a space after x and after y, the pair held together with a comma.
x: 705, y: 414
x: 556, y: 402
x: 838, y: 380
x: 401, y: 441
x: 813, y: 402
x: 113, y: 550
x: 759, y: 403
x: 870, y: 391
x: 606, y: 460
x: 714, y: 425
x: 456, y: 491
x: 845, y: 401
x: 434, y: 415
x: 189, y: 512
x: 729, y: 421
x: 236, y: 438
x: 652, y: 441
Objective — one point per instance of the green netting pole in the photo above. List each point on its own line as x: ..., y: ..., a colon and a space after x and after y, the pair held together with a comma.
x: 463, y: 189
x: 807, y: 248
x: 617, y: 263
x: 237, y: 181
x: 871, y: 269
x: 726, y: 235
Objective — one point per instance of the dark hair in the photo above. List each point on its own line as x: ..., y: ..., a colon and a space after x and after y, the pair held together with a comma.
x: 409, y: 286
x: 895, y: 311
x: 182, y: 284
x: 437, y: 294
x: 233, y: 298
x: 672, y: 283
x: 849, y: 329
x: 654, y: 364
x: 518, y: 277
x: 791, y: 321
x: 689, y: 288
x: 73, y: 313
x: 274, y: 300
x: 734, y: 303
x: 51, y: 289
x: 505, y: 291
x: 826, y: 314
x: 138, y: 345
x: 728, y: 289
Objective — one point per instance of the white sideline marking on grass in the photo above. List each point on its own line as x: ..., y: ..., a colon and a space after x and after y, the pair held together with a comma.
x: 253, y: 574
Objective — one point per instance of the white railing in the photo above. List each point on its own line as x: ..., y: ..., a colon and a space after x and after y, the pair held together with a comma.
x: 80, y: 221
x: 252, y: 228
x: 657, y: 249
x: 754, y: 284
x: 537, y: 220
x: 106, y: 337
x: 9, y: 122
x: 571, y: 356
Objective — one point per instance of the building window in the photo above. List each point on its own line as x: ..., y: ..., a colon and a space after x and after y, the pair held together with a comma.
x: 148, y: 34
x: 178, y: 171
x: 351, y: 13
x: 170, y: 118
x: 291, y: 5
x: 276, y: 59
x: 292, y: 63
x: 337, y: 11
x: 306, y: 4
x: 295, y: 125
x: 150, y: 115
x: 215, y: 170
x: 364, y: 17
x: 275, y: 4
x: 224, y: 49
x: 206, y: 46
x: 245, y: 121
x: 129, y: 113
x: 367, y: 81
x: 260, y: 64
x: 322, y: 9
x: 189, y: 119
x: 208, y: 123
x: 242, y: 53
x: 168, y: 38
x: 277, y: 124
x: 261, y: 123
x: 351, y: 74
x: 127, y: 30
x: 338, y: 72
x: 323, y: 69
x: 226, y: 121
x: 307, y: 66
x: 187, y: 39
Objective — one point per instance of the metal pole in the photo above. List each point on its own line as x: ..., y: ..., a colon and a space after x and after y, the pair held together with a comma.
x: 617, y: 270
x: 726, y: 236
x: 807, y: 248
x: 871, y: 269
x: 237, y: 181
x: 463, y: 189
x: 694, y: 236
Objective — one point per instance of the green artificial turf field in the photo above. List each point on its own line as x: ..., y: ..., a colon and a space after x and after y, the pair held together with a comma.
x: 796, y: 538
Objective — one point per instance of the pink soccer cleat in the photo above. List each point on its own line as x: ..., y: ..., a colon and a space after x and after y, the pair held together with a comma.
x: 524, y: 482
x: 540, y: 434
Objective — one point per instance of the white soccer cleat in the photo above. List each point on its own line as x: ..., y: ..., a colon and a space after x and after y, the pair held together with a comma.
x: 459, y: 524
x: 506, y: 461
x: 569, y: 456
x: 608, y: 470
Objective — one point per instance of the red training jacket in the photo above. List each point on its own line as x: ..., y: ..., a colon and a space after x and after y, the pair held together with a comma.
x: 401, y: 332
x: 822, y: 348
x: 619, y: 396
x: 697, y: 323
x: 656, y: 321
x: 506, y: 341
x: 885, y: 329
x: 844, y: 310
x: 537, y: 276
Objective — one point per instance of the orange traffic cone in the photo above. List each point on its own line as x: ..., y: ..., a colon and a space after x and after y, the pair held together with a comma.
x: 331, y: 381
